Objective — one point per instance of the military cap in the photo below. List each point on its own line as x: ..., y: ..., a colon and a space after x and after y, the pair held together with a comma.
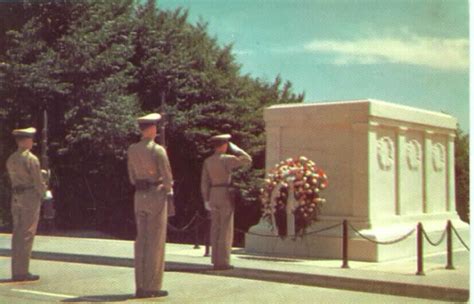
x: 149, y: 119
x: 221, y: 138
x: 27, y: 132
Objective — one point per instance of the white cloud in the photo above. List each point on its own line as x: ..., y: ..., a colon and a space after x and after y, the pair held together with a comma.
x: 448, y: 54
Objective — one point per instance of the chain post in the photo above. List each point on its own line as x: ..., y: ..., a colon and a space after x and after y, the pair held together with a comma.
x: 208, y: 235
x: 449, y: 245
x: 196, y: 236
x: 419, y: 245
x: 345, y: 245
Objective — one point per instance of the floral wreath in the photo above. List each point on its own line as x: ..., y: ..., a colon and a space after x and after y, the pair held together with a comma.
x: 306, y: 180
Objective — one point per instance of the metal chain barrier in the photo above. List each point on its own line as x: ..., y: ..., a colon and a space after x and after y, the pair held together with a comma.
x: 460, y: 239
x: 441, y: 239
x: 186, y: 227
x: 294, y: 236
x: 243, y: 231
x: 256, y: 234
x: 383, y: 242
x: 171, y: 227
x: 322, y: 229
x: 93, y: 198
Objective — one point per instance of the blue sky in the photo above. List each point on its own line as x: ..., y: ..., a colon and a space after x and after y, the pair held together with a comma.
x: 408, y: 52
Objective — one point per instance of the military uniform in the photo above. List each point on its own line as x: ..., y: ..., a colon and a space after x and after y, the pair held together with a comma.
x: 28, y: 188
x: 215, y: 182
x: 149, y: 171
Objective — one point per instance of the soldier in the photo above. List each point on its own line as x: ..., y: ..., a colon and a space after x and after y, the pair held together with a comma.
x: 28, y: 188
x: 215, y: 183
x: 149, y: 171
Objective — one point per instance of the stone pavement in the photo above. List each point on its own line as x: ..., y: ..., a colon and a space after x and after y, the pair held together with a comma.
x: 75, y: 282
x: 391, y: 278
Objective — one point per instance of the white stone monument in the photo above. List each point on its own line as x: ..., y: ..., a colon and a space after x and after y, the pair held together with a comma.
x: 389, y: 167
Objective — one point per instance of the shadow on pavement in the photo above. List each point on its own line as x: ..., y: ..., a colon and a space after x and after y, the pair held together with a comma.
x: 181, y: 267
x: 102, y: 298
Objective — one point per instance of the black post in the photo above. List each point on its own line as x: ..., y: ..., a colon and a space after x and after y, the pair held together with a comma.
x: 196, y: 236
x: 419, y: 246
x: 449, y: 245
x: 345, y: 245
x: 208, y: 235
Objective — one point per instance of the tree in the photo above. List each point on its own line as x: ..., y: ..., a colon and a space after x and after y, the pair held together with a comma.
x: 95, y: 66
x: 462, y: 174
x: 81, y: 76
x: 205, y: 95
x: 23, y: 88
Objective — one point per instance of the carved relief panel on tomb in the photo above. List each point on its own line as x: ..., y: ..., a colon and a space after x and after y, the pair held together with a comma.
x: 413, y: 154
x: 385, y: 153
x: 438, y: 155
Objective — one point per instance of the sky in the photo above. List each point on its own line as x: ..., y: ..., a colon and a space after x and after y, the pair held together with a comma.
x: 414, y: 53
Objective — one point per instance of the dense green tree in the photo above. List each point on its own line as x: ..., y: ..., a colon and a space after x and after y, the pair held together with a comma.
x: 204, y: 95
x: 81, y: 78
x: 26, y: 85
x: 94, y: 66
x: 462, y: 174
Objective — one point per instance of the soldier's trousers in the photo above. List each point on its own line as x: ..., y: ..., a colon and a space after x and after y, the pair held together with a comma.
x: 25, y: 211
x: 151, y: 219
x: 222, y: 231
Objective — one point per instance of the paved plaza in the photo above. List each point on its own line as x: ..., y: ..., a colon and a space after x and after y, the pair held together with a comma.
x: 85, y: 269
x: 75, y: 282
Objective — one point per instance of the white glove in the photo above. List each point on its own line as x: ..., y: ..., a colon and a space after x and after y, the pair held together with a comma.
x: 234, y: 148
x: 207, y: 206
x: 48, y: 195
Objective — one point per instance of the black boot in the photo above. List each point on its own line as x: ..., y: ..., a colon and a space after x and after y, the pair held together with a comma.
x: 25, y: 277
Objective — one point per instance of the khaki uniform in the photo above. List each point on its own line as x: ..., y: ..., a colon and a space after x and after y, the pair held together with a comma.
x: 28, y: 188
x: 215, y: 179
x: 149, y: 161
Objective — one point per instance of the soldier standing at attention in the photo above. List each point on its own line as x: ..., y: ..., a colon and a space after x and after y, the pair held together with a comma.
x: 150, y: 172
x: 215, y: 183
x: 28, y: 188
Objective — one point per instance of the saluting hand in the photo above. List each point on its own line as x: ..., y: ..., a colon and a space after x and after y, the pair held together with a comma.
x: 234, y: 149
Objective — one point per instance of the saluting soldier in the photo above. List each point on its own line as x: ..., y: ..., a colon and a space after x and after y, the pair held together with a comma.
x: 150, y: 173
x: 215, y: 183
x: 28, y: 188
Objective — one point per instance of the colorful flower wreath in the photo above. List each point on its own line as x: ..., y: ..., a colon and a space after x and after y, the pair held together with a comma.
x: 306, y: 180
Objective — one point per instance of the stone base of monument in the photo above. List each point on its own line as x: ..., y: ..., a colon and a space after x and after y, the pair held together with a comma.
x: 375, y: 244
